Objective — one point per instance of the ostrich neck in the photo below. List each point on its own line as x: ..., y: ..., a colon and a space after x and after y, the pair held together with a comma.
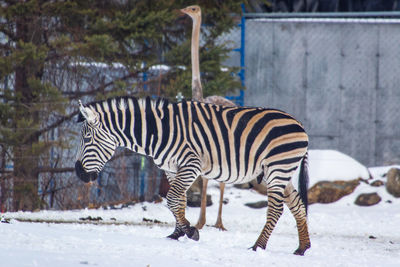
x: 197, y: 90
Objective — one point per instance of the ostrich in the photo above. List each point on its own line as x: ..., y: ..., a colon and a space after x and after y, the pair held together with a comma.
x: 197, y: 94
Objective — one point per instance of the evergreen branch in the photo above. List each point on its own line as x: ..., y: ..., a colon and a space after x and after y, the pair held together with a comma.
x: 7, y: 32
x: 5, y: 46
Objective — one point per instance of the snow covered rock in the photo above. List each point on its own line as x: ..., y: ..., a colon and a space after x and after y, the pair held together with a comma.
x: 332, y: 165
x: 333, y: 175
x: 393, y: 182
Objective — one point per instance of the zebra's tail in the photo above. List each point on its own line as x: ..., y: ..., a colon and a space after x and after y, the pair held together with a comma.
x: 303, y: 181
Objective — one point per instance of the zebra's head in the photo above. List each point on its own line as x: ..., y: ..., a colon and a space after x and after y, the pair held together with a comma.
x: 97, y: 145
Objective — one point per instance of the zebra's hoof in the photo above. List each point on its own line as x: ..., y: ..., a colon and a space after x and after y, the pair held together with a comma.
x: 176, y: 234
x: 193, y: 234
x: 254, y: 248
x: 300, y: 251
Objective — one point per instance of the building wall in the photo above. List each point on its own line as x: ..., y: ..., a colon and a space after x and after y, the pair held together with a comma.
x: 339, y: 77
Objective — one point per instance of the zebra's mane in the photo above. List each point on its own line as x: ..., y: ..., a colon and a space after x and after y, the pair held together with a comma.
x: 122, y: 103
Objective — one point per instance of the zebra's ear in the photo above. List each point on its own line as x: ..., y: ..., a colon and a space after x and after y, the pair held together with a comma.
x: 86, y: 114
x: 80, y: 117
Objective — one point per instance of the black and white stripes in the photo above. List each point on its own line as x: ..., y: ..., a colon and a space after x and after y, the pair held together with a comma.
x: 188, y: 139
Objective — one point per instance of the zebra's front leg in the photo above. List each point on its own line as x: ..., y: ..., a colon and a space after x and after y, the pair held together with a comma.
x: 176, y: 200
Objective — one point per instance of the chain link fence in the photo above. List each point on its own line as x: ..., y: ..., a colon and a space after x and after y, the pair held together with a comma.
x: 338, y: 75
x: 127, y: 178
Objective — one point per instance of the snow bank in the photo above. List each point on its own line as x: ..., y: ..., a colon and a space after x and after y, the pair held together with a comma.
x: 341, y: 233
x: 331, y: 165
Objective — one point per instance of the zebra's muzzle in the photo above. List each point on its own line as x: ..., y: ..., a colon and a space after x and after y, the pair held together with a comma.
x: 83, y: 175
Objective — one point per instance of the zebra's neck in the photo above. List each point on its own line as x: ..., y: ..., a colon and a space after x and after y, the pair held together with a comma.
x: 135, y: 123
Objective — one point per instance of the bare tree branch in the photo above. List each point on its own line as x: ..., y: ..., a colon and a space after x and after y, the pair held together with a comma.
x: 54, y: 170
x: 51, y: 126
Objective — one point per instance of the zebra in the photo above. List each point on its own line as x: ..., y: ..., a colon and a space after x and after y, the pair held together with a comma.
x: 188, y: 139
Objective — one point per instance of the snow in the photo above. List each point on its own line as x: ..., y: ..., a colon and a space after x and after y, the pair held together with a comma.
x: 102, y: 65
x: 331, y: 165
x: 342, y: 234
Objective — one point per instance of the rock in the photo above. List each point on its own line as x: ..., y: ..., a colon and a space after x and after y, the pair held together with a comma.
x: 260, y: 188
x: 4, y: 220
x: 194, y: 199
x: 90, y: 218
x: 328, y: 192
x: 393, y: 182
x: 127, y: 204
x: 377, y: 183
x: 157, y: 198
x: 254, y: 185
x: 164, y: 186
x: 151, y: 221
x: 257, y: 205
x: 368, y: 199
x: 243, y: 186
x: 195, y: 188
x: 197, y: 185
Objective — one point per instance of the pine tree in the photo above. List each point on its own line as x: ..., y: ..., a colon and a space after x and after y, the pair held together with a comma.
x: 56, y: 52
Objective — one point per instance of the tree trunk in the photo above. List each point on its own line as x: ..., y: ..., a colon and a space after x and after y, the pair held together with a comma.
x: 3, y: 187
x: 25, y: 182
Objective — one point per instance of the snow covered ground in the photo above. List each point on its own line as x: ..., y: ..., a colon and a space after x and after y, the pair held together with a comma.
x: 342, y: 234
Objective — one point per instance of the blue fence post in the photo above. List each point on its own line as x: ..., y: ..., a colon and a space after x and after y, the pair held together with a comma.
x: 100, y: 184
x: 144, y: 78
x: 143, y: 173
x: 240, y: 98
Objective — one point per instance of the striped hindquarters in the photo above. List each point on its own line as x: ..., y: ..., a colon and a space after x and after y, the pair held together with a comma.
x: 237, y: 143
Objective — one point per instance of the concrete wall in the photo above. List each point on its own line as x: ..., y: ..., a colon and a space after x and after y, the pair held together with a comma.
x: 339, y: 77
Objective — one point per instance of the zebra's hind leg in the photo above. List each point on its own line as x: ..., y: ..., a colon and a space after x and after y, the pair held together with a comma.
x: 274, y: 212
x: 296, y: 206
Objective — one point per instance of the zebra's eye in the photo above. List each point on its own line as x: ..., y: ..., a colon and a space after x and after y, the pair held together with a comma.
x: 87, y: 138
